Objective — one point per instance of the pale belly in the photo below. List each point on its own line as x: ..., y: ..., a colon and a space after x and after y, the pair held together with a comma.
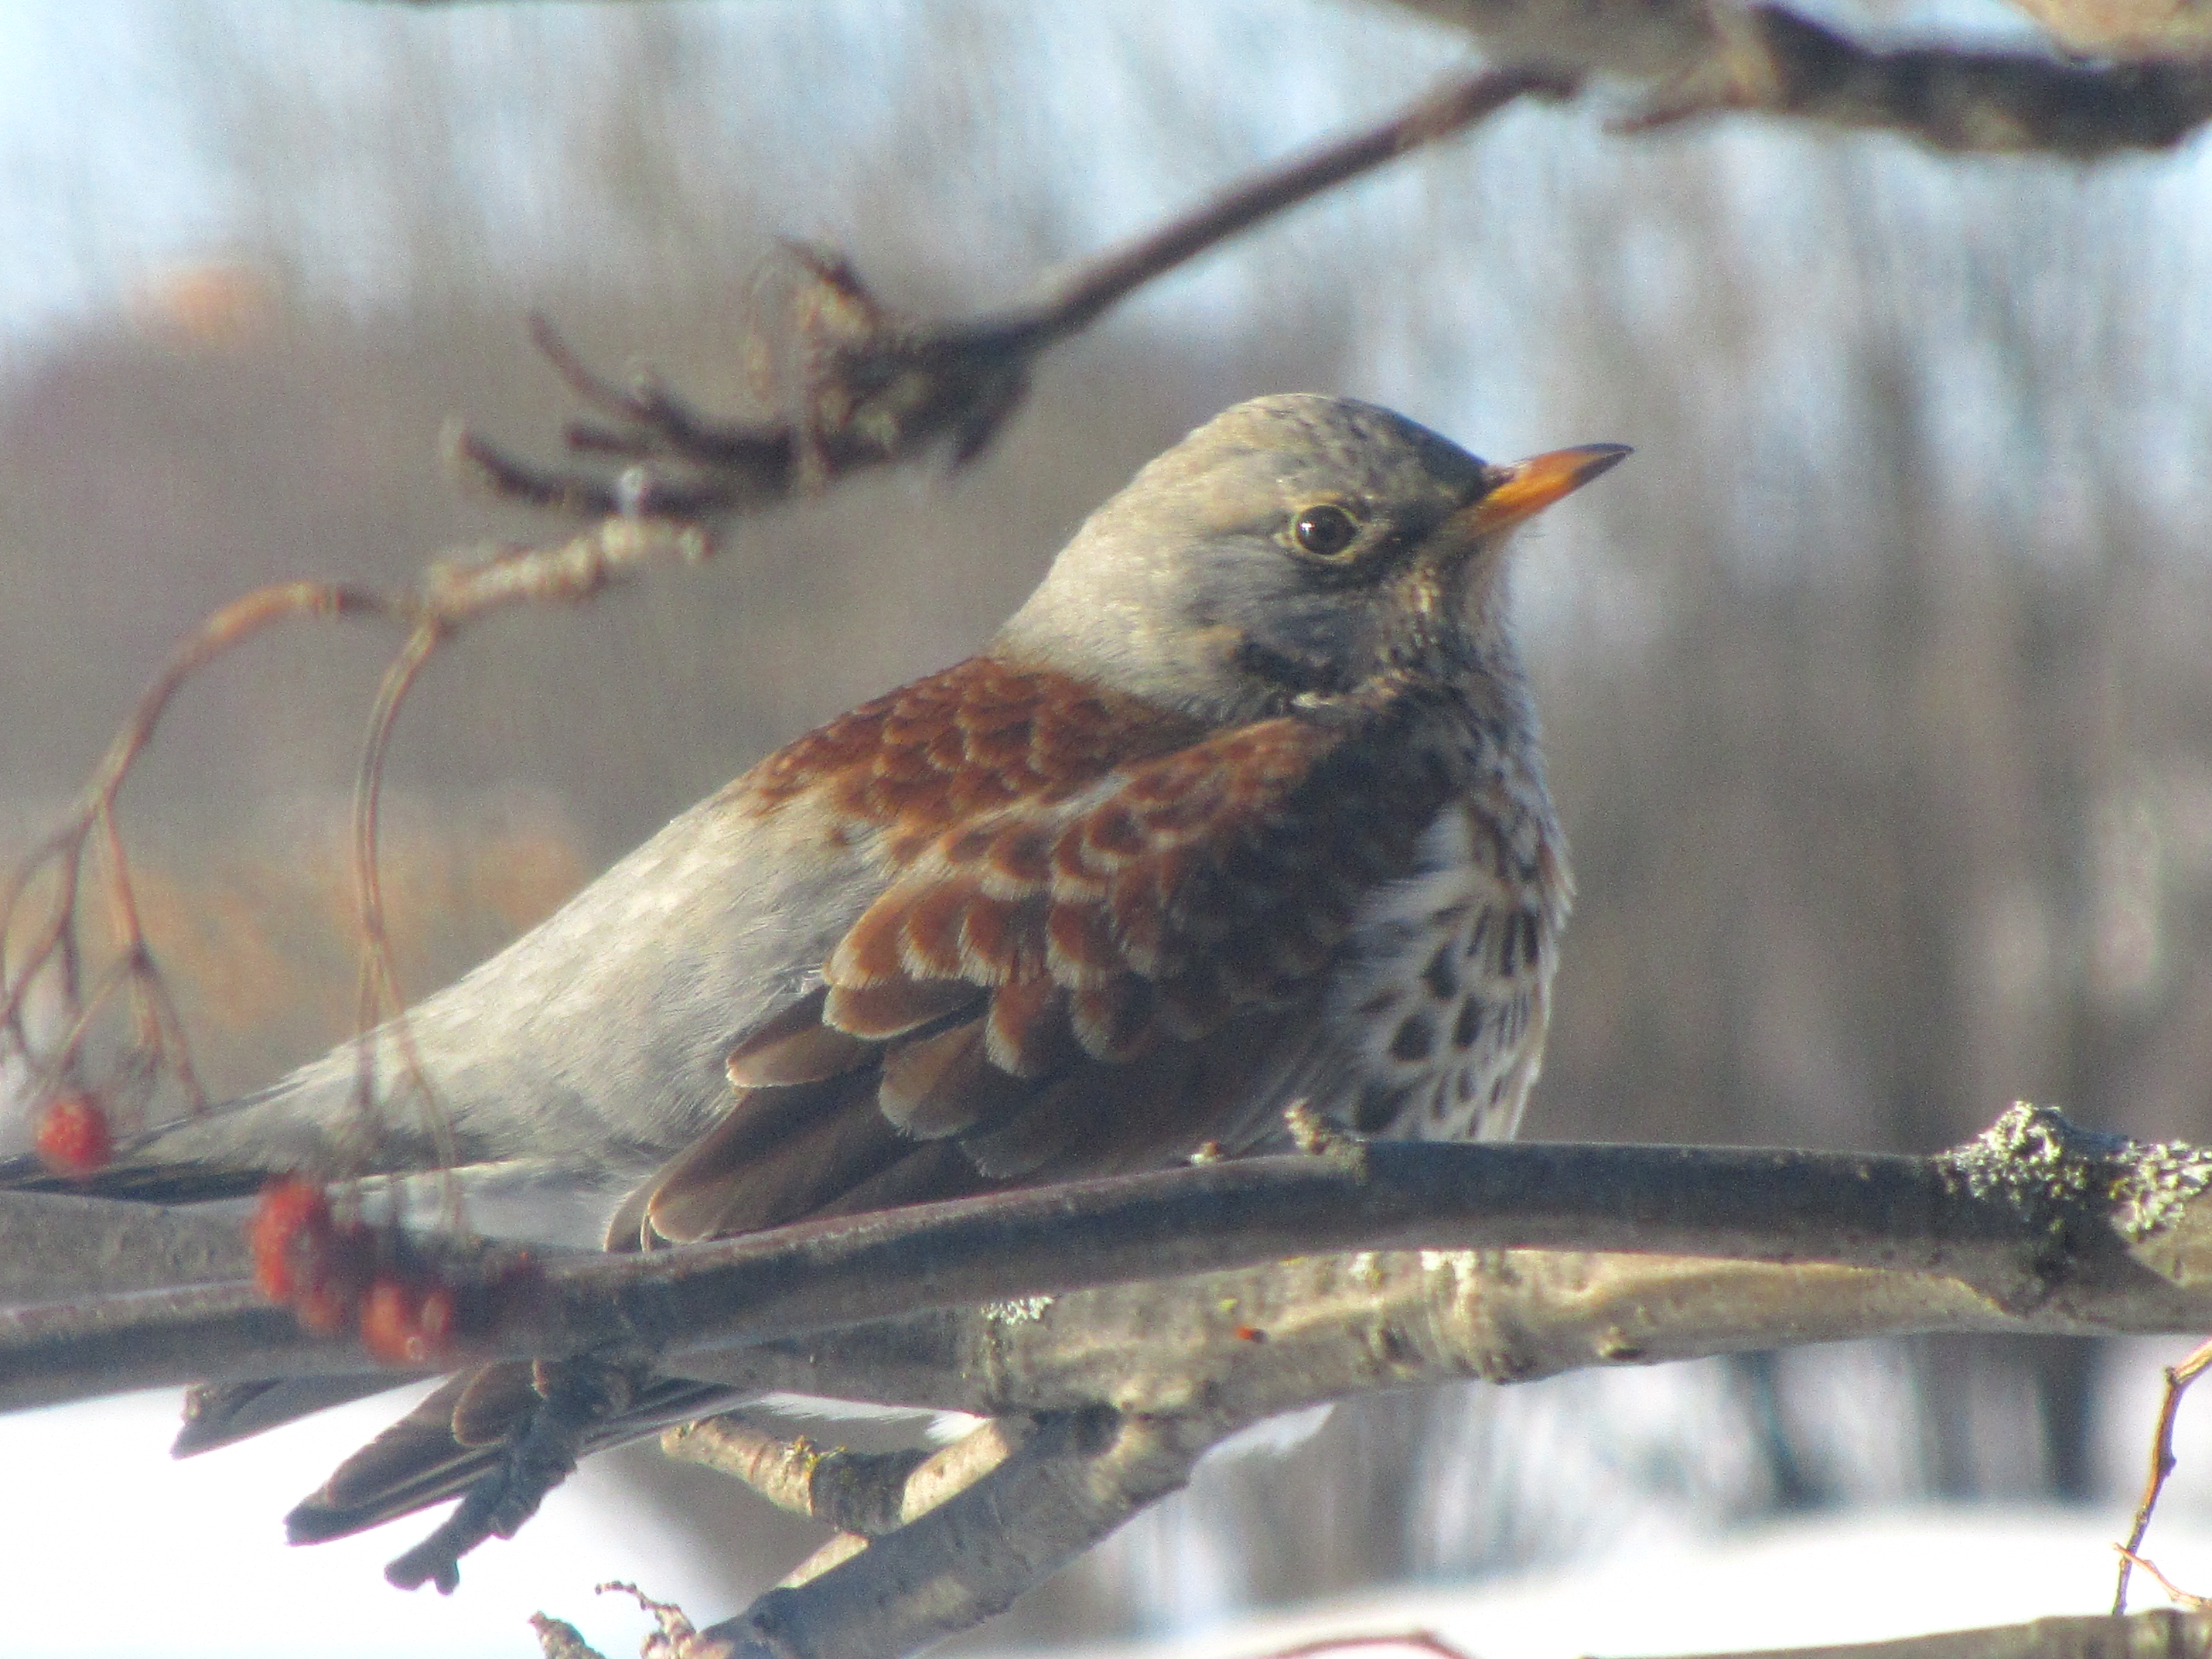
x: 1447, y: 981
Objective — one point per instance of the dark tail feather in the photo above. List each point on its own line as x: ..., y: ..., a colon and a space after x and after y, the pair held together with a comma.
x: 148, y: 1184
x: 420, y: 1461
x: 222, y: 1413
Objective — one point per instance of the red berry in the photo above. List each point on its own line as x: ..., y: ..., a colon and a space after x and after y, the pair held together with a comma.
x: 74, y: 1138
x: 404, y: 1324
x: 290, y: 1236
x: 434, y: 1321
x: 387, y: 1321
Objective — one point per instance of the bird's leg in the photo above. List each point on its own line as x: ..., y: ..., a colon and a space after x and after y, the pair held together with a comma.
x: 575, y: 1396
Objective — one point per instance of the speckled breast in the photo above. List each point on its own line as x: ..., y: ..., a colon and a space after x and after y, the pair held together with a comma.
x: 1446, y: 980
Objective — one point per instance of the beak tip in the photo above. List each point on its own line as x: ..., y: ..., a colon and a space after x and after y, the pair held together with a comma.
x: 1522, y: 488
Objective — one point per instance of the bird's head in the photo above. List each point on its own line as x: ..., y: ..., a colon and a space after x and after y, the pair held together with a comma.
x: 1292, y: 544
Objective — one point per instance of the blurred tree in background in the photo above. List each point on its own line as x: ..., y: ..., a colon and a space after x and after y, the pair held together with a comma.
x: 1879, y: 691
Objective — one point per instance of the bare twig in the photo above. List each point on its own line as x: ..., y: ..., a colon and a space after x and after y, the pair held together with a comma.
x: 559, y: 1639
x: 674, y: 1638
x: 51, y: 949
x: 2177, y: 1381
x: 2179, y: 1596
x: 853, y: 1491
x: 875, y: 388
x: 1080, y: 1476
x: 1077, y: 299
x: 1704, y: 59
x: 2161, y: 1634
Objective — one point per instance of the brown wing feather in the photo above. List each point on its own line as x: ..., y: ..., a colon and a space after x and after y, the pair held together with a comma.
x: 730, y: 1183
x: 798, y: 1046
x: 1047, y: 984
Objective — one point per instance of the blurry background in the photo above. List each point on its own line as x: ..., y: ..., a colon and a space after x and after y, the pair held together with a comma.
x: 1879, y: 686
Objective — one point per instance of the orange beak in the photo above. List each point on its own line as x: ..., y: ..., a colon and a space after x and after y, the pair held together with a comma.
x: 1521, y: 489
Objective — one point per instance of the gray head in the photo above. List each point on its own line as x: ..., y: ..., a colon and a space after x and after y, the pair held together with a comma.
x: 1293, y: 544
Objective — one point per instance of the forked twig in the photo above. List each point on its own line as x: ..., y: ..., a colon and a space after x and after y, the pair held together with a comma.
x: 453, y: 594
x: 874, y: 388
x: 2179, y: 1596
x: 56, y: 944
x: 2178, y: 1379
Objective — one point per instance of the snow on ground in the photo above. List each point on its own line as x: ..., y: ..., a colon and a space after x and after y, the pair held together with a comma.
x: 1859, y: 1578
x: 109, y: 1549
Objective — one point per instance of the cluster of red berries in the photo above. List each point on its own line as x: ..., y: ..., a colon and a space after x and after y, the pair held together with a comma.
x: 74, y: 1137
x: 337, y: 1271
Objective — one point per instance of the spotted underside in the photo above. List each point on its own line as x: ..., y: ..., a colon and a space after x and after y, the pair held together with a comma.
x: 1108, y: 937
x: 1445, y: 987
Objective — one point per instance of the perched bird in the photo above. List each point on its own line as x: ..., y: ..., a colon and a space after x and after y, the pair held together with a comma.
x: 1244, y: 807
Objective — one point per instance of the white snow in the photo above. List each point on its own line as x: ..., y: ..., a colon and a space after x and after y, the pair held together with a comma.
x: 109, y: 1549
x: 1859, y: 1578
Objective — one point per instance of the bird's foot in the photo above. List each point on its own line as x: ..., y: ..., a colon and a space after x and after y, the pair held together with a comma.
x: 576, y: 1395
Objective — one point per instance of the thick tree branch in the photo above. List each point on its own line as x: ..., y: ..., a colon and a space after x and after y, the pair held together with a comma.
x: 2160, y: 1633
x: 1702, y: 59
x: 1999, y: 102
x: 2033, y: 1227
x: 2088, y: 1232
x: 1166, y: 1370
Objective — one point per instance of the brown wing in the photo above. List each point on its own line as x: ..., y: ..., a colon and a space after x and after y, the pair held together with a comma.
x: 1082, y: 978
x: 1105, y: 965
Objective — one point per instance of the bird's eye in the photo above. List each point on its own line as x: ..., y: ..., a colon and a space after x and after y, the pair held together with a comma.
x: 1324, y: 530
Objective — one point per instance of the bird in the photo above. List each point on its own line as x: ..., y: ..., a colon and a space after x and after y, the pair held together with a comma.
x: 1245, y: 809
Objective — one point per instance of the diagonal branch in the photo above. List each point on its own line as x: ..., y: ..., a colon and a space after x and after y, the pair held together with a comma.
x: 82, y: 1098
x: 875, y: 388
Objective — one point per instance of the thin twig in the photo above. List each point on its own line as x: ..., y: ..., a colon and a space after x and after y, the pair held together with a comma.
x: 379, y: 996
x: 1427, y: 1641
x: 2178, y: 1379
x: 1077, y: 299
x: 91, y: 830
x: 2179, y: 1596
x: 454, y: 593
